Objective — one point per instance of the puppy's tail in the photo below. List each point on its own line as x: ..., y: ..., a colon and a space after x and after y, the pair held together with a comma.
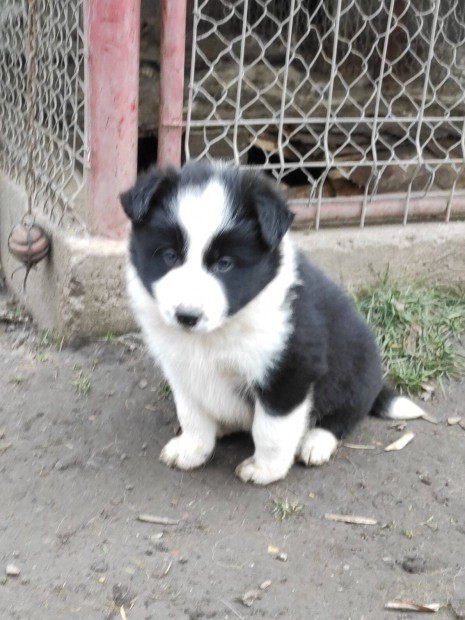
x: 390, y: 405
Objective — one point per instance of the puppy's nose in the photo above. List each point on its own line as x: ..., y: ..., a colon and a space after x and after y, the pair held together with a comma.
x: 187, y: 318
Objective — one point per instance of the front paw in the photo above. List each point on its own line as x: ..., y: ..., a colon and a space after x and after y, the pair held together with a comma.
x: 317, y: 447
x: 185, y: 453
x: 261, y: 473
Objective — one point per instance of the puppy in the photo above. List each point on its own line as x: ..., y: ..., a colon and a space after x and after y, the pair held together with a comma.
x: 250, y: 336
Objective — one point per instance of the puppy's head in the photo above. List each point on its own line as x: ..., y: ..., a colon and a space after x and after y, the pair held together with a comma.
x: 205, y: 240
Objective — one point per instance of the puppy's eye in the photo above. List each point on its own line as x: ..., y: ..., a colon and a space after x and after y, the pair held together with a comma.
x: 223, y: 264
x: 170, y: 257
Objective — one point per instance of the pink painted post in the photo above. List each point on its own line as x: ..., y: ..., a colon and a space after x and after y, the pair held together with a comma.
x: 172, y: 52
x: 112, y: 32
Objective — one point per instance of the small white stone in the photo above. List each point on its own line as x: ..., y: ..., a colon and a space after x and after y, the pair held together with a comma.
x: 12, y: 570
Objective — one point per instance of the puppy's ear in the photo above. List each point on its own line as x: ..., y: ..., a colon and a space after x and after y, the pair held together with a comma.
x: 148, y: 192
x: 274, y: 218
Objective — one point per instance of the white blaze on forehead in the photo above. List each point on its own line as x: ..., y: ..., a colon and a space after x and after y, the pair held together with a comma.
x: 202, y: 212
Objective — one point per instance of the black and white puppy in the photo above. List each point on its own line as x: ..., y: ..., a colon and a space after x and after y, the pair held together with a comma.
x: 249, y: 335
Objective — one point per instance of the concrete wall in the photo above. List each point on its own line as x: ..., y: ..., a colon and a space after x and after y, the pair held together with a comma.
x: 78, y: 291
x: 357, y: 258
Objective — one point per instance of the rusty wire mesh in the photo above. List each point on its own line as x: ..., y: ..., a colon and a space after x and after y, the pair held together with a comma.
x: 342, y: 101
x: 42, y: 141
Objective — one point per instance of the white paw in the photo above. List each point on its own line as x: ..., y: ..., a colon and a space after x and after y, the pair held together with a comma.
x: 317, y: 447
x: 184, y: 453
x: 260, y: 473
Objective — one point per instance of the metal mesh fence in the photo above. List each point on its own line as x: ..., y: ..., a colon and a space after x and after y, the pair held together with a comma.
x: 42, y: 140
x: 342, y: 101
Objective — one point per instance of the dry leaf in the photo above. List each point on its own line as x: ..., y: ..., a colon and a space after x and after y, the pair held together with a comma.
x: 353, y: 519
x: 400, y: 443
x: 412, y: 338
x: 272, y: 550
x: 408, y: 606
x: 5, y: 447
x: 454, y: 420
x: 428, y: 391
x: 343, y: 187
x: 158, y: 520
x: 250, y: 597
x: 356, y: 446
x: 429, y: 418
x: 167, y: 569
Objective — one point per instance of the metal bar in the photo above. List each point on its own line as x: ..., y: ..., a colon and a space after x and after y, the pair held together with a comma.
x: 191, y: 88
x: 350, y: 163
x: 372, y: 182
x: 316, y: 120
x: 390, y: 209
x: 112, y: 34
x: 328, y: 120
x: 427, y: 74
x: 282, y: 113
x: 172, y: 53
x: 240, y: 79
x: 459, y: 174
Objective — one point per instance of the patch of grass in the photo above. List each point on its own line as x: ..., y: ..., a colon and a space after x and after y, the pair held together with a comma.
x: 82, y: 383
x: 18, y: 313
x: 17, y: 379
x: 42, y: 356
x: 47, y: 339
x: 110, y: 337
x: 283, y: 508
x: 164, y: 391
x: 417, y: 328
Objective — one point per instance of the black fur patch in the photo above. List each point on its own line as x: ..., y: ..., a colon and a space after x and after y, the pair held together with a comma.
x: 254, y: 265
x: 331, y: 349
x: 148, y: 243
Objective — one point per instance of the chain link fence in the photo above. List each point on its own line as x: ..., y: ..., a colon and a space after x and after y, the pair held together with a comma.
x: 42, y: 137
x: 342, y: 101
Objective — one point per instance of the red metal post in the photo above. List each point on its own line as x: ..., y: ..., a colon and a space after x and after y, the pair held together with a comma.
x: 112, y: 32
x: 172, y: 53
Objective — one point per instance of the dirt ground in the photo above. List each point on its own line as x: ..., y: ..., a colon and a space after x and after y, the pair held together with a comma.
x: 77, y: 470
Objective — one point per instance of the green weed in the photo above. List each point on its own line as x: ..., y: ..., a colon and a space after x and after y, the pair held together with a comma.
x: 282, y: 508
x: 417, y: 329
x: 82, y: 383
